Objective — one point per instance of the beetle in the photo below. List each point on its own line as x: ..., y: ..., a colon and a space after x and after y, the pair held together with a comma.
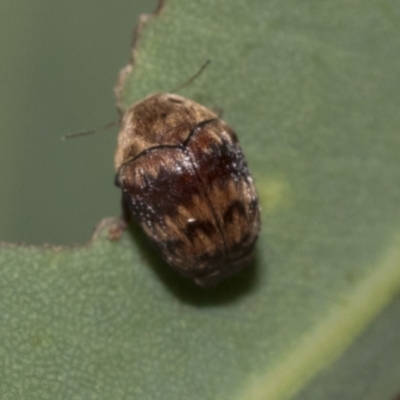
x: 186, y: 182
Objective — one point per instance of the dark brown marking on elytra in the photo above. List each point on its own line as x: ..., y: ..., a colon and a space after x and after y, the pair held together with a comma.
x: 235, y: 207
x: 192, y: 229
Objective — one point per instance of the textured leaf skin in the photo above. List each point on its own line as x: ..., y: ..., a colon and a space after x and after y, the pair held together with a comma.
x: 312, y: 89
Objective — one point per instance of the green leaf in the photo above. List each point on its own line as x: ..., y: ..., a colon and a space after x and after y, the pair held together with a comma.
x: 312, y: 89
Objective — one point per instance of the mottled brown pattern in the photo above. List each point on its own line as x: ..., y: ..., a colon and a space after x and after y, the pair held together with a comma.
x: 161, y: 119
x: 186, y: 182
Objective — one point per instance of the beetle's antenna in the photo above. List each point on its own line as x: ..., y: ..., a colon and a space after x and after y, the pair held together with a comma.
x: 110, y: 124
x: 89, y: 132
x: 191, y: 79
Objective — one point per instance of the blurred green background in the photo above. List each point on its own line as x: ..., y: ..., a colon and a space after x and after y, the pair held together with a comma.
x: 58, y: 65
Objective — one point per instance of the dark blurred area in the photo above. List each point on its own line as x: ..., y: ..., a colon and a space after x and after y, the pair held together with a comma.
x: 59, y: 62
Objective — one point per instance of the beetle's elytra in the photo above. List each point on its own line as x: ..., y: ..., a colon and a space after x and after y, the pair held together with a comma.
x: 186, y: 182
